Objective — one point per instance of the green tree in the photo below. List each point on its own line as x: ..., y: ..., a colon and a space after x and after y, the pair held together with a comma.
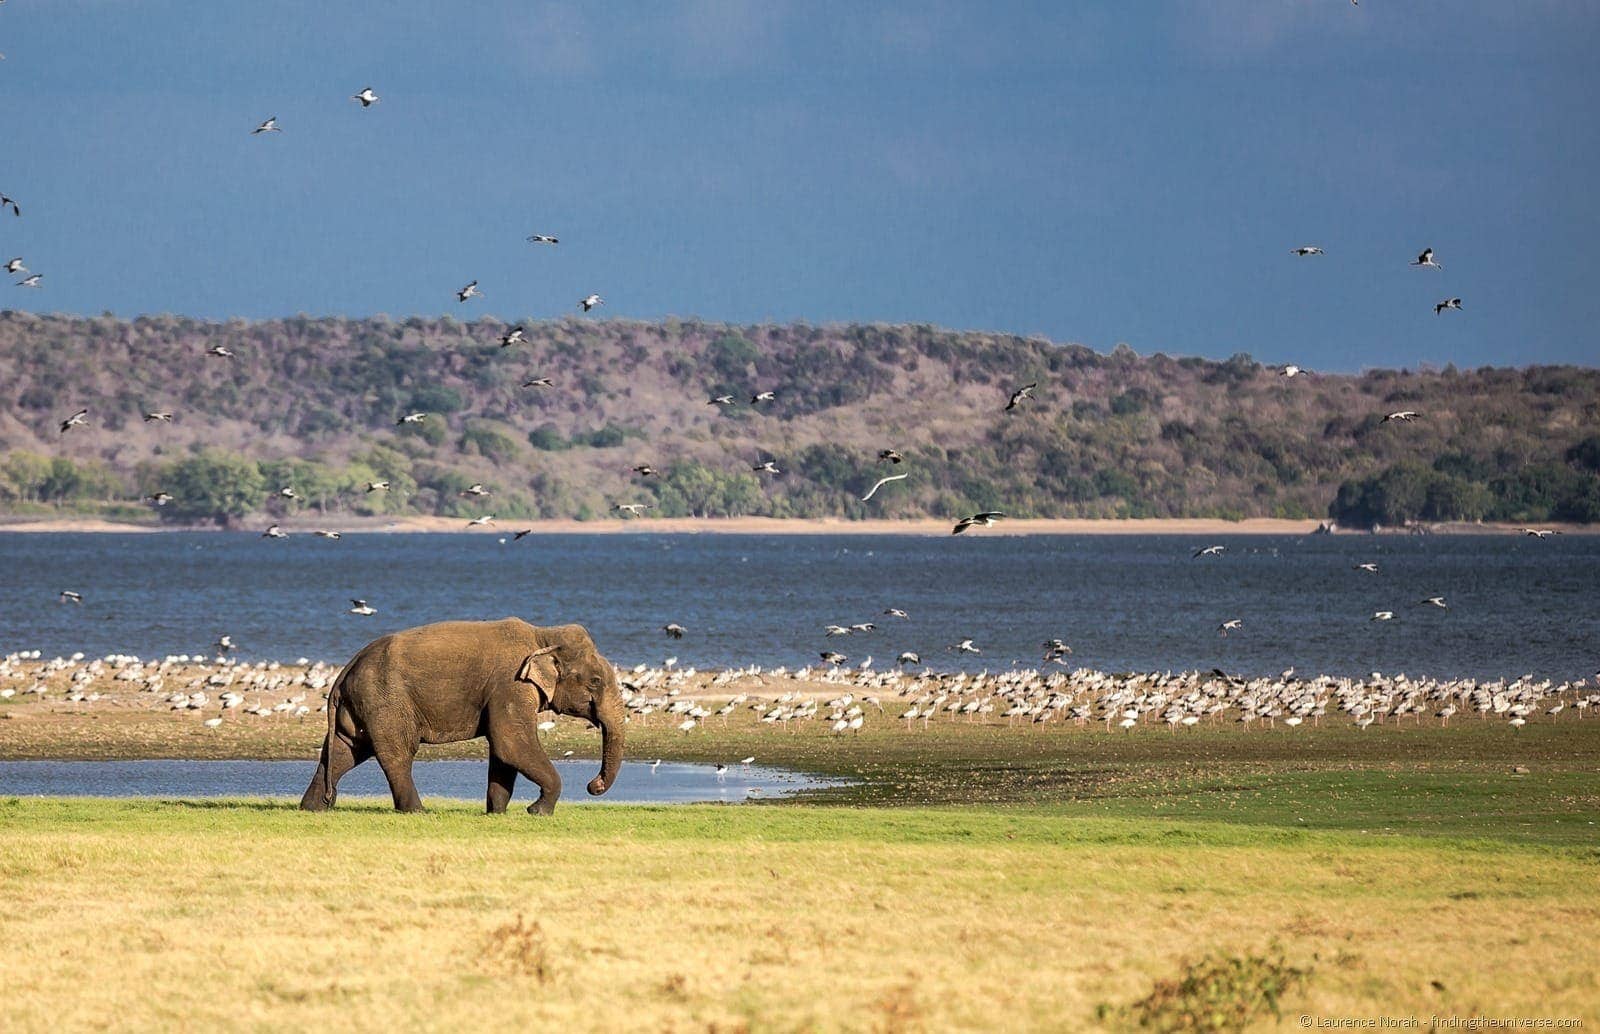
x: 213, y: 486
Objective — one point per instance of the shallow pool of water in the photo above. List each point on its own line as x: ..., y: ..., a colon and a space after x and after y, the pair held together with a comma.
x: 637, y: 783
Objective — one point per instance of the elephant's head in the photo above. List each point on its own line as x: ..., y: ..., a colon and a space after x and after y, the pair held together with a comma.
x: 576, y: 681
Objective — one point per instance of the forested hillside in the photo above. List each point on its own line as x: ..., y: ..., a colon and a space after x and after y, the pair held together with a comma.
x: 313, y: 404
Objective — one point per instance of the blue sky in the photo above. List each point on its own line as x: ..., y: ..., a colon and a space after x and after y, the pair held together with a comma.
x: 1096, y: 172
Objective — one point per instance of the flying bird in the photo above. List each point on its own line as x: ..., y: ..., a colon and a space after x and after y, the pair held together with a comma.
x: 1434, y: 601
x: 474, y: 489
x: 539, y: 382
x: 274, y: 532
x: 1291, y: 371
x: 6, y: 203
x: 881, y: 482
x: 1369, y: 567
x: 514, y: 336
x: 645, y: 470
x: 160, y: 498
x: 766, y: 467
x: 590, y: 302
x: 721, y: 400
x: 540, y: 238
x: 1426, y: 260
x: 965, y: 646
x: 1539, y: 533
x: 908, y: 657
x: 15, y: 266
x: 977, y: 520
x: 1021, y: 394
x: 1383, y: 615
x: 481, y: 522
x: 366, y: 97
x: 895, y: 612
x: 323, y: 533
x: 362, y: 608
x: 78, y: 419
x: 69, y: 596
x: 411, y: 418
x: 762, y: 396
x: 162, y: 416
x: 1208, y: 551
x: 288, y: 492
x: 31, y: 280
x: 469, y: 291
x: 1230, y: 625
x: 674, y: 630
x: 833, y: 657
x: 890, y: 456
x: 1448, y: 303
x: 1308, y: 249
x: 220, y: 351
x: 631, y: 509
x: 269, y: 126
x: 377, y: 486
x: 1405, y: 416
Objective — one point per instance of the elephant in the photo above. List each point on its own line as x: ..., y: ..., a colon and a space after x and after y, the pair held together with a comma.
x: 458, y: 680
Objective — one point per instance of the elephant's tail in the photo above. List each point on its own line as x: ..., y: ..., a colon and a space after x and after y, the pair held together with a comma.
x: 327, y: 744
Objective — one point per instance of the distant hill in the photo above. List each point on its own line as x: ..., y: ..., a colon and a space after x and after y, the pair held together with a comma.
x: 313, y: 404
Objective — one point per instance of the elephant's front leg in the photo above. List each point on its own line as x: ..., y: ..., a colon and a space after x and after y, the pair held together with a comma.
x: 502, y: 777
x: 514, y: 739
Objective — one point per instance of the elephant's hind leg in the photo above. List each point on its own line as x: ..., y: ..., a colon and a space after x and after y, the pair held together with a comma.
x: 338, y: 757
x: 396, y: 758
x: 502, y: 777
x: 515, y: 742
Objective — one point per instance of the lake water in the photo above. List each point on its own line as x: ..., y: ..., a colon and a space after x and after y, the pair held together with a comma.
x: 1516, y: 605
x: 669, y: 783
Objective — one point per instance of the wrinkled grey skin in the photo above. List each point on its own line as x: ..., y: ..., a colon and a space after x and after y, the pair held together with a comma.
x: 458, y: 680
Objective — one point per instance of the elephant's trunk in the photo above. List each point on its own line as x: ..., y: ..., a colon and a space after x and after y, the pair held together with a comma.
x: 610, y: 748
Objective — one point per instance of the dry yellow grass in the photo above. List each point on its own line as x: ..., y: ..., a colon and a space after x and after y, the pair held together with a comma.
x: 147, y: 915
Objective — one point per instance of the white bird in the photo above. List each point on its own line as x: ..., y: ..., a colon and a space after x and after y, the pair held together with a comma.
x: 1308, y: 249
x: 540, y: 238
x: 323, y: 533
x: 162, y: 416
x: 15, y: 266
x: 1022, y: 394
x: 674, y: 630
x: 631, y: 509
x: 722, y: 771
x: 721, y: 400
x: 1369, y: 567
x: 362, y: 608
x: 1208, y: 551
x: 539, y: 382
x: 590, y: 302
x: 479, y: 522
x: 1230, y: 625
x: 30, y: 281
x: 288, y: 492
x: 1404, y: 416
x: 655, y: 765
x: 1448, y: 303
x: 1383, y: 615
x: 1426, y: 259
x: 377, y: 486
x: 748, y: 761
x: 221, y: 351
x: 1539, y: 533
x: 269, y: 126
x: 977, y: 520
x: 69, y: 596
x: 78, y: 419
x: 1292, y: 371
x: 274, y: 532
x: 474, y: 489
x: 881, y: 482
x: 965, y: 646
x: 908, y: 658
x: 895, y: 612
x: 766, y: 467
x: 411, y: 418
x: 514, y: 336
x: 469, y: 291
x: 763, y: 396
x: 212, y: 723
x: 160, y: 498
x: 686, y: 725
x: 1435, y: 601
x: 366, y: 97
x: 546, y: 726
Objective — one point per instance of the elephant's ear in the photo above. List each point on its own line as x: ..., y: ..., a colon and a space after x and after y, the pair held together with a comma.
x: 540, y: 669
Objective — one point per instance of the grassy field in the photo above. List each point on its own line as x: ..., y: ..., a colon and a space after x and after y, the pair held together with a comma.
x: 977, y: 876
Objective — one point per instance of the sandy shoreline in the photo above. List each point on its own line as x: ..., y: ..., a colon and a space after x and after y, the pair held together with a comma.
x: 769, y: 526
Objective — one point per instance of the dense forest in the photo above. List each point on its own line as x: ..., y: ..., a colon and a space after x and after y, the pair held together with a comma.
x: 313, y: 405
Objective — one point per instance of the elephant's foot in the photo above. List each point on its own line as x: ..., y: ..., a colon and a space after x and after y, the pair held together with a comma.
x: 542, y: 806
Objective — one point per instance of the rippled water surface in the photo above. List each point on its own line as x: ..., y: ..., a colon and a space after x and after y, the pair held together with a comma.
x: 1516, y: 604
x: 638, y: 783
